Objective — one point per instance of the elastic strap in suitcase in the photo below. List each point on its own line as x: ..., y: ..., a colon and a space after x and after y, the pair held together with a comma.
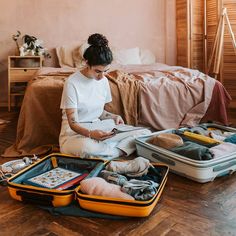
x: 75, y: 210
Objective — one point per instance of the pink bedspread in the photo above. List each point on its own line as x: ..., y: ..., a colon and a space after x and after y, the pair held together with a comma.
x: 174, y: 97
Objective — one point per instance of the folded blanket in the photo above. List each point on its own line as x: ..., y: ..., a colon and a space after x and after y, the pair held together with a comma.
x: 223, y: 149
x: 193, y: 151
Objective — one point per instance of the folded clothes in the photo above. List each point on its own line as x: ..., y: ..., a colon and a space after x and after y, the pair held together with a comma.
x: 210, y: 132
x: 216, y: 136
x: 140, y: 190
x: 199, y: 130
x: 113, y: 177
x: 133, y: 168
x: 231, y: 139
x: 99, y: 187
x: 220, y: 132
x: 194, y: 151
x: 153, y: 176
x: 166, y: 140
x: 223, y: 149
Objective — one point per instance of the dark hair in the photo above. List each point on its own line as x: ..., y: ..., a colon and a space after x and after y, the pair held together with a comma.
x: 98, y: 53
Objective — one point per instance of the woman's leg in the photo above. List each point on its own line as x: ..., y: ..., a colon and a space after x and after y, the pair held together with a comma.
x: 81, y: 146
x: 127, y: 145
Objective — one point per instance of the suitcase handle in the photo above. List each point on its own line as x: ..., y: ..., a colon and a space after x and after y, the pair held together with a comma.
x: 223, y: 167
x: 35, y: 198
x: 164, y: 160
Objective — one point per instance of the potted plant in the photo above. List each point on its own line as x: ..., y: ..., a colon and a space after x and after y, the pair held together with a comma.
x: 30, y: 46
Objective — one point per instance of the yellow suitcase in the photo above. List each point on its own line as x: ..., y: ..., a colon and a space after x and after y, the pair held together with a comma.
x: 45, y: 196
x: 20, y: 190
x: 121, y: 207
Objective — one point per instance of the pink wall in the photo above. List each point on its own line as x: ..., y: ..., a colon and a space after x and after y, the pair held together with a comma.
x: 126, y: 23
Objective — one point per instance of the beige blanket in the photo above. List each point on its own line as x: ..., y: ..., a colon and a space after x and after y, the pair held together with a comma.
x: 39, y: 120
x: 158, y: 96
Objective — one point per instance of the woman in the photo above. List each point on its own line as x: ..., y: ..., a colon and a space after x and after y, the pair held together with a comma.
x: 84, y: 96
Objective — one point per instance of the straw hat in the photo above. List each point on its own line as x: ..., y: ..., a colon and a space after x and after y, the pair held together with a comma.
x: 167, y: 140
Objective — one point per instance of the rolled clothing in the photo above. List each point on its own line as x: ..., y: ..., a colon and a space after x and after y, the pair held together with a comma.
x: 140, y: 189
x: 166, y: 140
x: 99, y: 187
x: 113, y: 177
x: 133, y: 168
x: 193, y: 151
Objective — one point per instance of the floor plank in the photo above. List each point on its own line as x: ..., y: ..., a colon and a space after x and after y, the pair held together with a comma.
x: 185, y: 208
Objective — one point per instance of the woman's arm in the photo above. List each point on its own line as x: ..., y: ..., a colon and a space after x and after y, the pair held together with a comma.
x: 108, y: 115
x: 74, y: 125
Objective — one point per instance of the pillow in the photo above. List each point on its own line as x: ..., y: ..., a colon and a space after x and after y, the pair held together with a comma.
x: 64, y: 54
x: 147, y: 57
x: 77, y: 55
x: 127, y: 56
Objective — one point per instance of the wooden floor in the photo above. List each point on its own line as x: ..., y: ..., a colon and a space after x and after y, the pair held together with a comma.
x: 186, y: 208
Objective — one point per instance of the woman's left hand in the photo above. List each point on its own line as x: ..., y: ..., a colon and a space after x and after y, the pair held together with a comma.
x: 118, y: 120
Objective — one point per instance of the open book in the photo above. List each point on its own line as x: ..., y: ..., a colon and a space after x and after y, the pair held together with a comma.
x: 125, y: 128
x: 120, y: 131
x: 119, y: 135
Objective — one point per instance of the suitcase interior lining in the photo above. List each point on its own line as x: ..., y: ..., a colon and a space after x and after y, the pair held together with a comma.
x: 160, y: 170
x: 73, y: 164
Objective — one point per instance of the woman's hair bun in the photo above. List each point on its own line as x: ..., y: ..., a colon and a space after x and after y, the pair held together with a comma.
x: 98, y: 40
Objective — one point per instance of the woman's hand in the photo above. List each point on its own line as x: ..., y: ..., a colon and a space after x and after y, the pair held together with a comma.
x: 118, y: 120
x: 100, y: 135
x: 108, y: 115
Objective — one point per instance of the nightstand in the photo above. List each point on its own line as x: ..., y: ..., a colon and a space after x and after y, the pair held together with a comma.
x: 20, y: 71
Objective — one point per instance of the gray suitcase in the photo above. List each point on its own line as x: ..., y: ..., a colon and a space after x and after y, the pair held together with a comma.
x: 200, y: 171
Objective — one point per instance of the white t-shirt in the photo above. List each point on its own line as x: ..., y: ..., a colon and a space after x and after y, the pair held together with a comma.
x: 86, y: 95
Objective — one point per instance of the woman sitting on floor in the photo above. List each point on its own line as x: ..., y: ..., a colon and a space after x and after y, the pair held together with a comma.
x: 84, y: 96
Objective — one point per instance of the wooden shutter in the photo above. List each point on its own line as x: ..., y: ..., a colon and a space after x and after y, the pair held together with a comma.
x: 229, y: 58
x: 183, y: 37
x: 190, y: 33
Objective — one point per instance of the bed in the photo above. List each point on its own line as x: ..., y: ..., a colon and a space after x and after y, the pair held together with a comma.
x: 154, y: 95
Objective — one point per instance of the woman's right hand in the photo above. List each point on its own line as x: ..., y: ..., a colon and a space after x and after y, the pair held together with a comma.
x: 100, y: 135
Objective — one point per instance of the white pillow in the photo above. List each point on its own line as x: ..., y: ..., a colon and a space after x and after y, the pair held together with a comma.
x: 127, y: 56
x: 147, y: 57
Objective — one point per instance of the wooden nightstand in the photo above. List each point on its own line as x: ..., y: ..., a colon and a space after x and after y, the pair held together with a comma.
x: 20, y: 71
